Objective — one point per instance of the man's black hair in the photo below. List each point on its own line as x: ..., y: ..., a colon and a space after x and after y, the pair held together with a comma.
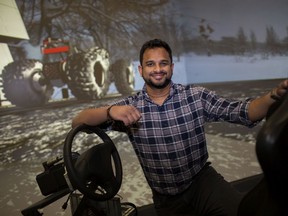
x: 155, y: 43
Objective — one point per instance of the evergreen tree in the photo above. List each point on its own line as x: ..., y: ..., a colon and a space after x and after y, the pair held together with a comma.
x: 241, y: 41
x: 272, y: 41
x: 253, y: 41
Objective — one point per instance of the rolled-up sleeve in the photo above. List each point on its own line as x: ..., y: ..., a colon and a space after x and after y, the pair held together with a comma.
x: 217, y: 108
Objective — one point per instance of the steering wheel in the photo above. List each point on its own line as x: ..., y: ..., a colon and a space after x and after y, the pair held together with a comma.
x: 94, y: 173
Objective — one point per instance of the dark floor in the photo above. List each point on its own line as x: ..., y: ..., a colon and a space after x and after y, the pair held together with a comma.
x: 242, y: 185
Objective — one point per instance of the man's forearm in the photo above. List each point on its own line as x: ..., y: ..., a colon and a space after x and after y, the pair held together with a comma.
x: 259, y: 107
x: 92, y: 116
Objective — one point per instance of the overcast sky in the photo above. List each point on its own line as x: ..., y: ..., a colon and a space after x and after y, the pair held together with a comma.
x: 226, y: 16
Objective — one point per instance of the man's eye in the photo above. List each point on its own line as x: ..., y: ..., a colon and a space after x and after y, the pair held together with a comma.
x: 149, y: 64
x: 164, y: 63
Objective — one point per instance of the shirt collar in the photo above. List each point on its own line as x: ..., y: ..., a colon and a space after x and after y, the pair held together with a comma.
x: 173, y: 90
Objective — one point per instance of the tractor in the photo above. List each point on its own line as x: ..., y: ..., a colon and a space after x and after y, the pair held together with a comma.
x: 88, y: 74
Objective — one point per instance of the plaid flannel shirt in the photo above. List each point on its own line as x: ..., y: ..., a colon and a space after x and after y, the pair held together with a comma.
x: 169, y: 140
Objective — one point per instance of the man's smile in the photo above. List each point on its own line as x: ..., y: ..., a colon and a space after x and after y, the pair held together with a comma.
x: 158, y: 76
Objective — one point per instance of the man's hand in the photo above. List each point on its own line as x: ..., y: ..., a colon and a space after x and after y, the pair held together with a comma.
x: 282, y: 89
x: 259, y: 107
x: 127, y: 114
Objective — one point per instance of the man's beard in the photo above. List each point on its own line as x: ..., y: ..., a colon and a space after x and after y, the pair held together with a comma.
x: 150, y: 83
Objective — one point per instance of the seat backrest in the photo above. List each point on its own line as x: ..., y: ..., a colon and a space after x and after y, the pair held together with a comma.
x: 270, y: 196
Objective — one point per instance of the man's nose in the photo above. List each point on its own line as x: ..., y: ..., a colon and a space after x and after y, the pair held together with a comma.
x: 157, y: 67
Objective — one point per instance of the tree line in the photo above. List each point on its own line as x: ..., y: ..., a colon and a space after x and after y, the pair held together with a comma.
x: 240, y: 44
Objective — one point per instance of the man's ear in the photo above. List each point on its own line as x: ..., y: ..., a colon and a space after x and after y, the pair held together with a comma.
x: 140, y: 70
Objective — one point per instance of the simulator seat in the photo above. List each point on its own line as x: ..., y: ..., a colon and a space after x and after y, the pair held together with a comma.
x: 270, y: 196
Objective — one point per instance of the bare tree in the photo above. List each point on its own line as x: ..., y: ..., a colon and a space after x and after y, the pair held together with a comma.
x: 110, y: 24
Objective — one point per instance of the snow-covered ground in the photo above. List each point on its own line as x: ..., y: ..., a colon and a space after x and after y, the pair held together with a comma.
x: 202, y: 69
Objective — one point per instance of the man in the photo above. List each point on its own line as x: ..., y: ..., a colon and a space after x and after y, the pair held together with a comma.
x: 165, y: 124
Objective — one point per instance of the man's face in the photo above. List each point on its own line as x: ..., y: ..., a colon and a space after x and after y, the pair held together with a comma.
x: 157, y: 68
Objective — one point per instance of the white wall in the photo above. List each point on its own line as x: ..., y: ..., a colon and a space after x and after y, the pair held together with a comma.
x: 11, y: 23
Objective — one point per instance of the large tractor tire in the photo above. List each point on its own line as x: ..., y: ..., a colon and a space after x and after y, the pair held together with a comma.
x: 124, y: 77
x: 87, y: 74
x: 24, y: 85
